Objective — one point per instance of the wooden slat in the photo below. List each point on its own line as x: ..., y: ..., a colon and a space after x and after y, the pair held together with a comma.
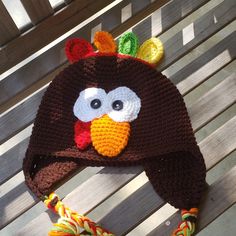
x: 220, y: 196
x: 204, y: 27
x: 31, y: 72
x: 209, y: 63
x: 213, y: 102
x: 129, y: 213
x: 115, y: 220
x: 170, y: 57
x: 219, y: 144
x: 48, y: 30
x: 37, y: 9
x: 13, y: 158
x: 8, y: 28
x: 11, y: 161
x: 28, y: 108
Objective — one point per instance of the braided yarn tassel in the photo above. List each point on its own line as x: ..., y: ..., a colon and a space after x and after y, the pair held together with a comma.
x: 70, y: 222
x: 188, y: 225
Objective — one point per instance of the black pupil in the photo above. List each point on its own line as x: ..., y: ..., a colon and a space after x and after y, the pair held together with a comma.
x: 117, y: 105
x: 96, y: 103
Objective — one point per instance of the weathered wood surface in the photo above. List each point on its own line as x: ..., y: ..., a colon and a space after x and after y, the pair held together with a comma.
x: 219, y: 144
x: 37, y: 9
x: 11, y: 161
x: 208, y: 64
x: 204, y: 28
x: 172, y: 53
x: 220, y: 196
x: 48, y: 30
x: 8, y: 28
x: 162, y: 19
x: 213, y: 102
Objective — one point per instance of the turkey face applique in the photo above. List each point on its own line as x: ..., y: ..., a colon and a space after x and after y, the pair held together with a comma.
x: 104, y: 119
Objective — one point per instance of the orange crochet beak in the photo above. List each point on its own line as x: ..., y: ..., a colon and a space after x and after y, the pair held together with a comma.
x: 108, y: 137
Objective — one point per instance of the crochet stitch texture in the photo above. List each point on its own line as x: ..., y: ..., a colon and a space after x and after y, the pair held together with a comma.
x: 160, y: 139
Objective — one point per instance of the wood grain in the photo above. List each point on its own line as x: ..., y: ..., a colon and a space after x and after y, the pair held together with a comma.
x: 213, y: 102
x: 37, y: 9
x: 11, y: 161
x: 204, y: 28
x: 219, y: 144
x: 8, y: 28
x: 207, y: 64
x: 29, y: 74
x: 8, y: 127
x: 220, y: 196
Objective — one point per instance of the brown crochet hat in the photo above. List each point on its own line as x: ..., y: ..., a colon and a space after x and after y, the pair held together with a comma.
x: 115, y: 109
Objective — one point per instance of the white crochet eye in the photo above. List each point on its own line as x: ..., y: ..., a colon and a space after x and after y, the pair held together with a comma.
x: 90, y: 104
x: 123, y: 104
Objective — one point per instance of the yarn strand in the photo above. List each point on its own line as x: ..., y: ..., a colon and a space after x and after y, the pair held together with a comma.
x: 187, y: 225
x: 70, y: 221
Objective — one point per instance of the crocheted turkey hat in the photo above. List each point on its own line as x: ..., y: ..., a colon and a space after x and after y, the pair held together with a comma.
x: 115, y: 109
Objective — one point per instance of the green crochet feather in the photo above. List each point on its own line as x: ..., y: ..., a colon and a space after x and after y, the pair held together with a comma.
x: 128, y: 44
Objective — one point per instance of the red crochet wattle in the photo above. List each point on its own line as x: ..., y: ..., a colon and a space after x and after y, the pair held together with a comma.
x: 82, y: 134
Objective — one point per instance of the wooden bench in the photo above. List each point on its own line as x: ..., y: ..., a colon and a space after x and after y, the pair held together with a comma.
x: 30, y: 57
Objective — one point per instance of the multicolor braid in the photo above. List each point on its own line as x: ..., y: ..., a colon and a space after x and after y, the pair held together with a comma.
x: 70, y: 222
x: 187, y: 226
